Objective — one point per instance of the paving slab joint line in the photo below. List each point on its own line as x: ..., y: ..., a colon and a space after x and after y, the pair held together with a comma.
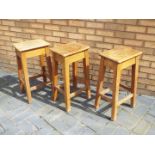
x: 114, y: 130
x: 81, y: 122
x: 4, y: 130
x: 137, y: 124
x: 32, y: 124
x: 147, y: 130
x: 150, y: 114
x: 51, y: 125
x: 87, y: 126
x: 120, y: 125
x: 19, y: 114
x: 147, y: 120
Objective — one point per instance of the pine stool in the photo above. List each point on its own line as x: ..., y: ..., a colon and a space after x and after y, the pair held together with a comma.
x: 29, y: 49
x: 118, y: 59
x: 67, y: 54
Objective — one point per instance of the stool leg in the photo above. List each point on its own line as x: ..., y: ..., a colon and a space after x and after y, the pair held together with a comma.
x: 66, y: 85
x: 86, y: 74
x: 55, y: 80
x: 75, y: 72
x: 20, y: 71
x: 100, y: 83
x: 42, y: 64
x: 134, y: 82
x: 26, y: 77
x: 116, y: 85
x: 49, y: 66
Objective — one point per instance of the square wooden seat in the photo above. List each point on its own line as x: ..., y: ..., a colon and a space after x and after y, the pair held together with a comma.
x: 120, y: 55
x: 118, y: 59
x: 67, y: 54
x: 29, y: 49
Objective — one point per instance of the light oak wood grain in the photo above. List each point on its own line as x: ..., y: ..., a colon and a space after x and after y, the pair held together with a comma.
x: 118, y: 59
x: 69, y: 49
x: 67, y: 54
x: 118, y: 56
x: 30, y: 45
x: 29, y: 49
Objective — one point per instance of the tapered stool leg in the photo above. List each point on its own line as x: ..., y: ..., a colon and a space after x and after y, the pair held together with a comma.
x: 75, y: 72
x: 100, y: 83
x: 42, y: 64
x: 66, y: 85
x: 26, y: 77
x: 49, y: 60
x: 115, y: 95
x: 55, y: 79
x: 134, y: 82
x: 86, y: 74
x: 20, y: 72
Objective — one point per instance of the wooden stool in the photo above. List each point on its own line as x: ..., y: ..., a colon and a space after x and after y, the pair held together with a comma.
x: 118, y: 59
x: 68, y: 54
x: 29, y: 49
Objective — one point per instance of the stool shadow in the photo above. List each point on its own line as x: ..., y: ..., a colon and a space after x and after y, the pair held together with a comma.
x: 91, y: 108
x: 6, y: 83
x: 9, y: 85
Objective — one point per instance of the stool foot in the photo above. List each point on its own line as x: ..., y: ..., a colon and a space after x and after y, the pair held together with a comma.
x: 55, y: 94
x: 53, y: 99
x: 114, y: 112
x: 113, y: 119
x: 96, y: 107
x: 89, y: 94
x: 29, y: 101
x: 22, y: 88
x: 68, y: 109
x: 133, y: 105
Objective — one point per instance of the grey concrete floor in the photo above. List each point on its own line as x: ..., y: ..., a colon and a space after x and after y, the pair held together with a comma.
x: 43, y: 117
